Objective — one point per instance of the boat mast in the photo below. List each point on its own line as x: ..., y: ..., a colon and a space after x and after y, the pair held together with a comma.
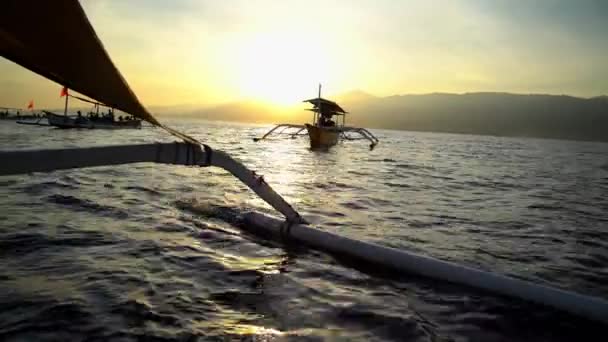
x: 318, y: 107
x: 65, y: 111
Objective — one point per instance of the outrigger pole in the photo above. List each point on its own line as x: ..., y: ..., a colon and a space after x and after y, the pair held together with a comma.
x: 405, y: 262
x: 179, y: 153
x: 284, y: 126
x: 65, y: 110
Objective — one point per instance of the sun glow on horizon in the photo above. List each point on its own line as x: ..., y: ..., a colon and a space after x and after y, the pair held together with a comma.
x: 280, y: 68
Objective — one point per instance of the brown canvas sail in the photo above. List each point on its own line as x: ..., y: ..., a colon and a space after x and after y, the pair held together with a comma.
x: 56, y: 40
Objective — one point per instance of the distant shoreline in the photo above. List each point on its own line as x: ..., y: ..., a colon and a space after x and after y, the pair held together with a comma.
x: 168, y: 118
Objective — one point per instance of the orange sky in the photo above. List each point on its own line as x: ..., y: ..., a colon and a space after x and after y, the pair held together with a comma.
x: 207, y: 52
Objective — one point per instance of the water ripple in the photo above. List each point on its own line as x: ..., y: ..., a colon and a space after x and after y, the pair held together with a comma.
x: 154, y: 252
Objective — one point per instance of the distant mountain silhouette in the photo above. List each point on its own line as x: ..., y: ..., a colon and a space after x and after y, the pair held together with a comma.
x: 503, y: 114
x: 249, y: 111
x: 355, y: 97
x: 547, y: 116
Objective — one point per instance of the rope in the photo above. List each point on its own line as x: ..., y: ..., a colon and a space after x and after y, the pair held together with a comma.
x: 192, y: 143
x: 178, y: 134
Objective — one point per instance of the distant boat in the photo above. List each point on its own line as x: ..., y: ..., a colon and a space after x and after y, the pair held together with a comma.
x: 33, y: 120
x: 8, y: 113
x: 325, y: 132
x: 64, y: 121
x: 92, y: 121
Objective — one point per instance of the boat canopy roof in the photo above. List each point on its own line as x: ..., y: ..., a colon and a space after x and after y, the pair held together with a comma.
x: 326, y: 106
x: 58, y: 42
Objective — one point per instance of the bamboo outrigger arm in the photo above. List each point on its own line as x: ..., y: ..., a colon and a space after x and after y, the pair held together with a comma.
x: 284, y: 126
x: 363, y: 132
x: 20, y: 162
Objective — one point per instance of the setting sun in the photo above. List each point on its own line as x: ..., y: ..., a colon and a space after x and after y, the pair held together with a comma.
x: 280, y: 68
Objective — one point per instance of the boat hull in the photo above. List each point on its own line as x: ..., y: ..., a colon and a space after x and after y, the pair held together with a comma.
x: 322, y: 137
x: 62, y: 121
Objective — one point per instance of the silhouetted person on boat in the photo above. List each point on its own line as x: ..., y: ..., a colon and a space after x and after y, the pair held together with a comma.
x: 79, y: 117
x: 322, y: 121
x: 110, y: 116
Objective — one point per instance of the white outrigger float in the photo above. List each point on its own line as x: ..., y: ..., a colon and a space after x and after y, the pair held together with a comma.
x: 324, y: 131
x: 26, y: 45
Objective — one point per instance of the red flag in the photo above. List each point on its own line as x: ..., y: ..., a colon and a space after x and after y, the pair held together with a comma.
x: 64, y: 92
x: 30, y: 105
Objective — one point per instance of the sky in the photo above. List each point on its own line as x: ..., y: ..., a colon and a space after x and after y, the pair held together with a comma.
x: 202, y: 53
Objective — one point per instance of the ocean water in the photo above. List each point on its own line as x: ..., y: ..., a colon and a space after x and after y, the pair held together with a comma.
x: 152, y: 253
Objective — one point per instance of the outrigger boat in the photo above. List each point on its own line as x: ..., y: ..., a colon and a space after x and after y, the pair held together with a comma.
x: 36, y: 121
x: 22, y: 119
x: 62, y: 121
x: 93, y: 120
x: 63, y: 26
x: 324, y: 132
